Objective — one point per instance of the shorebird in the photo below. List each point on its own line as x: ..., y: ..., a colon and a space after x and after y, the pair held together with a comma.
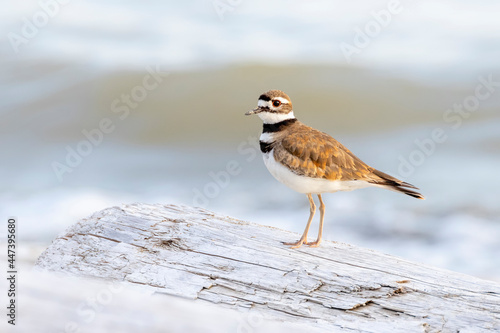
x: 312, y: 162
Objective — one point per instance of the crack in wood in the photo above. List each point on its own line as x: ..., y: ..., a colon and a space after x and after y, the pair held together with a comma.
x: 195, y: 254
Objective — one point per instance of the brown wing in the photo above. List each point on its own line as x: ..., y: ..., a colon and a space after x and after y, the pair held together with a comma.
x: 309, y: 152
x: 312, y: 153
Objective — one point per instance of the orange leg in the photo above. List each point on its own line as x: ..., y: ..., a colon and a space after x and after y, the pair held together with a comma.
x: 321, y: 220
x: 303, y: 239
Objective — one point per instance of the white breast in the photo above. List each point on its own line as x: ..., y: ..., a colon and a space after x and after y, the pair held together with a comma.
x: 304, y: 184
x: 267, y: 137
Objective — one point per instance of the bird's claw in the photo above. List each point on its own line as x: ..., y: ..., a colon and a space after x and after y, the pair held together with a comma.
x: 296, y: 244
x: 313, y: 244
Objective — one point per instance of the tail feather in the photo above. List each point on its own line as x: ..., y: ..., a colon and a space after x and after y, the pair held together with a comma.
x: 394, y: 184
x: 406, y: 191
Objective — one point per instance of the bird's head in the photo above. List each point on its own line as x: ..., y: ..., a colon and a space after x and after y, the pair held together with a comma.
x: 273, y: 107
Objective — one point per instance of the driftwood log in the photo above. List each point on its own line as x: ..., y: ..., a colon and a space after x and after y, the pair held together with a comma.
x: 57, y: 303
x: 197, y: 254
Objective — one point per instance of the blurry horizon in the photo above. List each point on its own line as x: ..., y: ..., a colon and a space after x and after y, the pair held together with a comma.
x: 110, y: 102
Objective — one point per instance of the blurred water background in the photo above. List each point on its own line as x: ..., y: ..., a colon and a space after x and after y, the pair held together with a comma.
x: 190, y: 71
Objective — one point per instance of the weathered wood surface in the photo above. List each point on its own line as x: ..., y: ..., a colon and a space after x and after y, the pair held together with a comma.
x: 55, y: 303
x: 194, y: 253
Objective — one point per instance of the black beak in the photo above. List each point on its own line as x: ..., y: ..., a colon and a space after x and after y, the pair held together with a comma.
x: 258, y: 109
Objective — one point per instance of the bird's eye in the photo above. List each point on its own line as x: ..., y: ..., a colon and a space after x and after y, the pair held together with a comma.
x: 276, y: 103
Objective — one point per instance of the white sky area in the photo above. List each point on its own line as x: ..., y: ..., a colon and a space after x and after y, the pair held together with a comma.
x: 420, y: 38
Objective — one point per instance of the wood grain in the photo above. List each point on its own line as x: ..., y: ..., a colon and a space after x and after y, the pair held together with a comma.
x: 197, y: 254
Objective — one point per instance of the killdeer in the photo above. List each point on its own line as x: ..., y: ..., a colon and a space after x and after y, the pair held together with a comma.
x: 312, y: 162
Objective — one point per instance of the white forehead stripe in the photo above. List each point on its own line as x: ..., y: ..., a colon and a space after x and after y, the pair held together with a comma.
x: 263, y: 103
x: 282, y: 100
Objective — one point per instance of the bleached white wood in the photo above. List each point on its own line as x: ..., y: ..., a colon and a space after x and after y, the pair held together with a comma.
x: 51, y: 302
x: 197, y: 254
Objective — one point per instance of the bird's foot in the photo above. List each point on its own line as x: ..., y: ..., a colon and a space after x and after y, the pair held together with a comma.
x: 313, y: 244
x: 297, y: 244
